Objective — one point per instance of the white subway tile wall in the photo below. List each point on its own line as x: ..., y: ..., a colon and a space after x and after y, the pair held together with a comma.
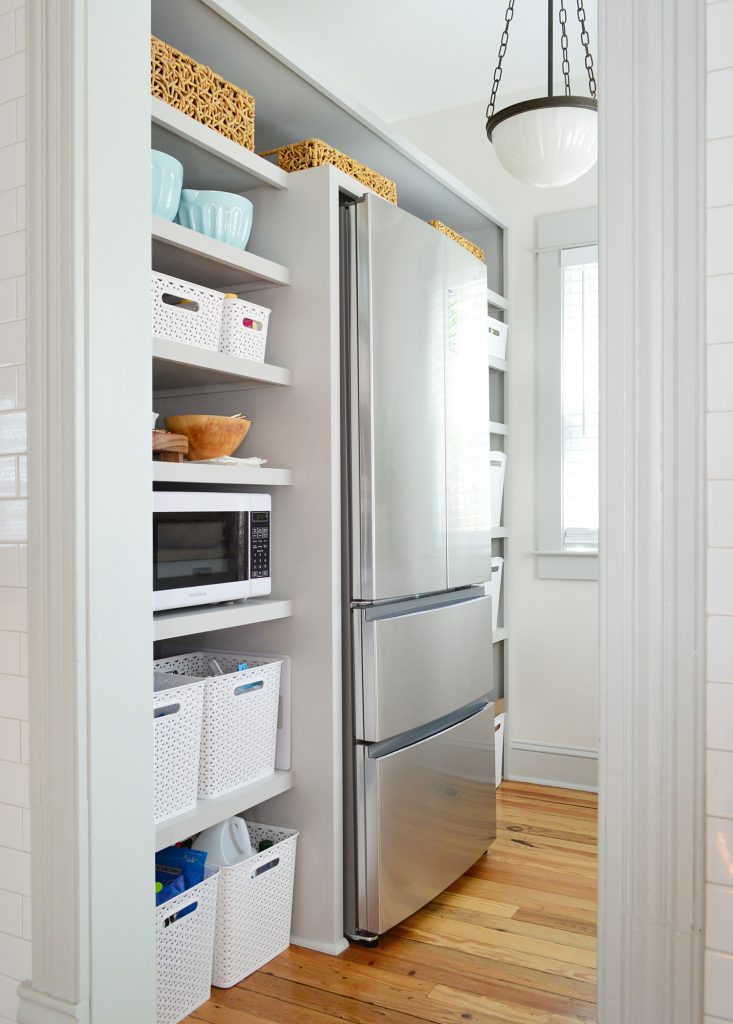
x: 719, y: 896
x: 15, y: 947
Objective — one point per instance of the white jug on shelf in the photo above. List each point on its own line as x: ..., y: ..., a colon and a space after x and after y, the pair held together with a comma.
x: 226, y: 843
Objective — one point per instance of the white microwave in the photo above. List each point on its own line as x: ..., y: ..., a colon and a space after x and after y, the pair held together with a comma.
x: 210, y: 547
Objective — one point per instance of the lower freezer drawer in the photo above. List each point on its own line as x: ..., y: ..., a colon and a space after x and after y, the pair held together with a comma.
x: 428, y: 813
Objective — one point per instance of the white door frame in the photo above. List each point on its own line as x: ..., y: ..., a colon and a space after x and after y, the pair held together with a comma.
x: 89, y: 342
x: 88, y: 120
x: 651, y: 569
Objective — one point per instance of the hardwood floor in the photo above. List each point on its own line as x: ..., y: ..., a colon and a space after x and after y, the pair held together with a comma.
x: 512, y: 942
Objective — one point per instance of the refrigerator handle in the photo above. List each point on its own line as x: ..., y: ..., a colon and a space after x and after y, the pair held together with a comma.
x: 427, y: 731
x: 432, y: 602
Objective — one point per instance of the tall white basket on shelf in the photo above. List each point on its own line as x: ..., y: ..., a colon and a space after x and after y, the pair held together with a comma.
x: 498, y: 472
x: 178, y: 704
x: 497, y: 572
x: 184, y: 950
x: 255, y: 906
x: 239, y: 735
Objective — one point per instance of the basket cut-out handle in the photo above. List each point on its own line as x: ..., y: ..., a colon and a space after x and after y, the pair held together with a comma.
x: 248, y: 688
x: 170, y: 299
x: 497, y: 459
x: 253, y: 325
x: 497, y: 726
x: 494, y: 331
x: 169, y: 709
x: 266, y: 867
x: 178, y: 914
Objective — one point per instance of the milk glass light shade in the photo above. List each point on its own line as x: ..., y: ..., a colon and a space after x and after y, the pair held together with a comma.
x: 546, y: 142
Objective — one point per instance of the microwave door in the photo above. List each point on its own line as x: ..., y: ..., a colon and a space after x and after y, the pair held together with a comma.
x: 199, y: 557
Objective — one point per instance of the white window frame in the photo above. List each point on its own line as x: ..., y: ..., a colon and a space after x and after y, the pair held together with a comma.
x: 555, y: 232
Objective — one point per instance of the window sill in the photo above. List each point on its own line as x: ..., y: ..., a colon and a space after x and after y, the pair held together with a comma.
x: 567, y: 565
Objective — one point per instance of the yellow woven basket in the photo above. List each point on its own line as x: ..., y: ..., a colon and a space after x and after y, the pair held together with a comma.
x: 315, y: 152
x: 198, y: 91
x: 475, y: 250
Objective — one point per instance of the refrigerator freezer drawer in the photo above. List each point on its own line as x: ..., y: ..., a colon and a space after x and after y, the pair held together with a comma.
x: 419, y: 660
x: 429, y: 814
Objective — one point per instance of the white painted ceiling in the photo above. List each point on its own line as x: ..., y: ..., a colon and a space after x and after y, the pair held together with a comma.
x: 403, y: 58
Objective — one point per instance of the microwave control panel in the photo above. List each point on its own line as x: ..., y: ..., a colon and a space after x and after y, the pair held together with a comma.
x: 259, y: 545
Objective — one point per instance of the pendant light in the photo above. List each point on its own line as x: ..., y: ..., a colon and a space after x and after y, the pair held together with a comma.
x: 552, y: 140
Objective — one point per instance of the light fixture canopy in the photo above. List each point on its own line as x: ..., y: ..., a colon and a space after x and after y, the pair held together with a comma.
x: 552, y: 140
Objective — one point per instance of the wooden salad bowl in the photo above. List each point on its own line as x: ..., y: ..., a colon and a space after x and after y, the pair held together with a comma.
x: 209, y: 437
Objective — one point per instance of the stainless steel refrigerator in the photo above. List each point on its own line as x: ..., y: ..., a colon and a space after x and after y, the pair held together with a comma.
x: 418, y: 717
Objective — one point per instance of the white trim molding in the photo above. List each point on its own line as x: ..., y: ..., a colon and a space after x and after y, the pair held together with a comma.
x: 550, y: 765
x: 651, y: 165
x: 90, y: 712
x: 570, y: 229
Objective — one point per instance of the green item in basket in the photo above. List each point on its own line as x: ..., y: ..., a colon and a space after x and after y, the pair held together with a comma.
x: 264, y: 844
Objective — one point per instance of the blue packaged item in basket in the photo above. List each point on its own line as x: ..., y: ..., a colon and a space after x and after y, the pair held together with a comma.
x: 176, y: 869
x: 165, y: 891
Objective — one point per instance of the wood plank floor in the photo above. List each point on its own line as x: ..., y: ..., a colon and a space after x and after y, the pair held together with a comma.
x: 512, y: 942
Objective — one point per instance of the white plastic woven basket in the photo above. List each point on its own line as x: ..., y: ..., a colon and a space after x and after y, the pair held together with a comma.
x: 184, y: 951
x: 239, y: 733
x: 177, y: 716
x: 244, y: 329
x: 497, y: 571
x: 186, y: 312
x: 255, y: 906
x: 497, y: 337
x: 498, y: 472
x: 499, y: 748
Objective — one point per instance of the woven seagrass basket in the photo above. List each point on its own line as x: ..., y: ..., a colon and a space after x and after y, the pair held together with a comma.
x: 475, y: 250
x: 196, y: 90
x: 315, y: 152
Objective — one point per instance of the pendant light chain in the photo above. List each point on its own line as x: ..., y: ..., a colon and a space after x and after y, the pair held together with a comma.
x: 563, y: 15
x: 502, y: 50
x: 585, y: 40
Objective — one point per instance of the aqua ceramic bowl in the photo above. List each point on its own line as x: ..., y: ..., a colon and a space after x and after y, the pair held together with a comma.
x: 167, y: 178
x: 221, y: 215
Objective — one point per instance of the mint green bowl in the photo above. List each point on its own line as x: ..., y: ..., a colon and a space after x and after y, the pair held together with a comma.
x: 166, y: 174
x: 224, y: 216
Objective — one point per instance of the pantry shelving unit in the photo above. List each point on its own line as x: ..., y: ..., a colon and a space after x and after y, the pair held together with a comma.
x: 209, y: 812
x: 183, y: 375
x: 499, y: 376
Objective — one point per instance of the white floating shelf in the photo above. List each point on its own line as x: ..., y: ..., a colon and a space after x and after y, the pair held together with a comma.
x: 497, y: 428
x: 207, y: 619
x: 500, y: 634
x: 177, y: 367
x: 192, y: 256
x: 210, y: 161
x: 496, y: 300
x: 498, y: 364
x: 498, y: 532
x: 210, y: 812
x: 196, y: 473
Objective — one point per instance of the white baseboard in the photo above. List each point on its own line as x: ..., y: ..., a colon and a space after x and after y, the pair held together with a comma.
x: 549, y: 765
x: 332, y: 948
x: 39, y: 1008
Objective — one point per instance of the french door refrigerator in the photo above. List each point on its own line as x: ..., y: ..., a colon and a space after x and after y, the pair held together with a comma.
x: 418, y: 718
